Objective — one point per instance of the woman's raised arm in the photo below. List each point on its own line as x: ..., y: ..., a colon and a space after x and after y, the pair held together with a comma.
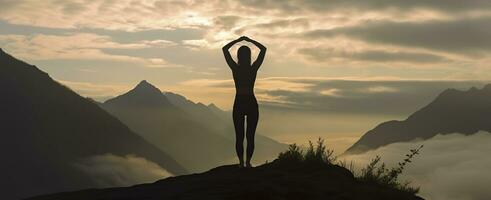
x: 262, y: 53
x: 230, y: 61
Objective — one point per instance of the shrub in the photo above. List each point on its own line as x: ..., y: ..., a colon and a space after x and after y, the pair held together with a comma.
x: 294, y: 153
x: 350, y: 166
x: 375, y: 171
x: 318, y: 153
x: 380, y: 174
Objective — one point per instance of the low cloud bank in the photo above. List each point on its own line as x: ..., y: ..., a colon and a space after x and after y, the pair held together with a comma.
x: 450, y: 167
x: 110, y: 170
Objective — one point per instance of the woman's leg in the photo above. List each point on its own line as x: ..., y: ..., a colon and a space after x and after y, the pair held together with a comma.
x: 252, y: 119
x: 239, y: 135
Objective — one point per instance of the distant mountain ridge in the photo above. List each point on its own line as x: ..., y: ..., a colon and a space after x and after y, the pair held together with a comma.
x: 198, y: 136
x: 46, y: 128
x: 453, y: 111
x: 220, y: 122
x: 211, y: 116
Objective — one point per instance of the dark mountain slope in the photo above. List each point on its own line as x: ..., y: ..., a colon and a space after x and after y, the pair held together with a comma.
x: 46, y: 128
x: 275, y: 180
x: 453, y: 111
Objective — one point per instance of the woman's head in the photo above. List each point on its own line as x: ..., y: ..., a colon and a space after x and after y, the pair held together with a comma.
x: 244, y: 55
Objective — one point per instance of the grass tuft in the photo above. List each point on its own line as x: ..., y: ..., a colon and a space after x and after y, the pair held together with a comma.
x: 375, y: 172
x: 318, y: 153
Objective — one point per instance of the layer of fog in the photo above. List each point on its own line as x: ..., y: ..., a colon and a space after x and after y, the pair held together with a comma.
x: 110, y: 170
x: 338, y: 130
x: 449, y: 167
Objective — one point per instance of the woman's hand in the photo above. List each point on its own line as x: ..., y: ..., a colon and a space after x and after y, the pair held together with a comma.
x: 247, y: 39
x: 242, y: 38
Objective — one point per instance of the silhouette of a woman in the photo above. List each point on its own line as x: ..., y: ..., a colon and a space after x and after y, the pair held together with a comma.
x: 245, y: 104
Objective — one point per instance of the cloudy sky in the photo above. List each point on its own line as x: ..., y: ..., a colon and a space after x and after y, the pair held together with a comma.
x: 343, y: 57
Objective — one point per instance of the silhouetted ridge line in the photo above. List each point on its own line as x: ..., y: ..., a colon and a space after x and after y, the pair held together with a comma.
x: 144, y: 94
x: 275, y: 180
x: 145, y: 86
x: 47, y: 128
x: 452, y: 111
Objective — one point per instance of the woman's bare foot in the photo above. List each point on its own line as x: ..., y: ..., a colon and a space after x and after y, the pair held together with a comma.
x: 248, y: 165
x: 241, y: 164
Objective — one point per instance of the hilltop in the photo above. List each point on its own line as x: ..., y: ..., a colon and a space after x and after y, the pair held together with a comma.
x: 275, y: 180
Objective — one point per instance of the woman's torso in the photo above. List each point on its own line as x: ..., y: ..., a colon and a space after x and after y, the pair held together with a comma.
x: 244, y: 81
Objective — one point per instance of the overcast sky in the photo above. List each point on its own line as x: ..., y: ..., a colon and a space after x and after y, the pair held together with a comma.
x: 102, y: 48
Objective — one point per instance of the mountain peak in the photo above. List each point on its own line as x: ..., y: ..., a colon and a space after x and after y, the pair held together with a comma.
x: 451, y: 94
x: 147, y: 87
x: 143, y: 94
x: 144, y: 82
x: 213, y: 106
x: 452, y: 111
x: 144, y: 89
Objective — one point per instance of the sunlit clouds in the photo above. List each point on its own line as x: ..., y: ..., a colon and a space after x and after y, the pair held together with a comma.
x: 313, y: 38
x: 80, y: 46
x: 99, y: 92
